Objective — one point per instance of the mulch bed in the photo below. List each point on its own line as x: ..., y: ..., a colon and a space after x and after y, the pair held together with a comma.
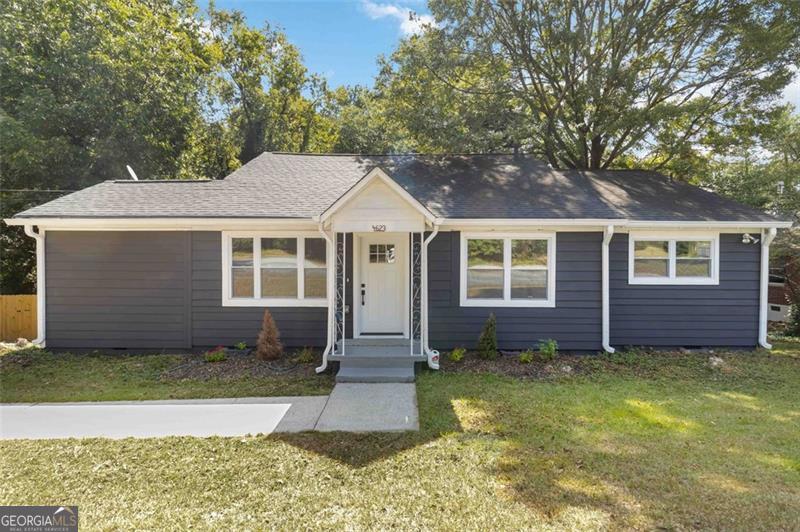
x: 508, y: 364
x: 238, y: 365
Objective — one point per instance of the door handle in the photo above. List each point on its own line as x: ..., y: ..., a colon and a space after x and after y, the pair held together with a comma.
x: 363, y: 292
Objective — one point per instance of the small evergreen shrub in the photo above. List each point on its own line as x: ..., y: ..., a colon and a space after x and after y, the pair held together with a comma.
x: 269, y: 345
x: 487, y: 342
x: 457, y: 354
x: 241, y: 346
x: 548, y: 349
x: 526, y: 357
x: 216, y: 355
x: 305, y: 356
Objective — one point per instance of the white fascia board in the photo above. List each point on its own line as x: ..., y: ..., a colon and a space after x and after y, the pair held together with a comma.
x: 376, y: 173
x: 706, y: 225
x: 166, y: 224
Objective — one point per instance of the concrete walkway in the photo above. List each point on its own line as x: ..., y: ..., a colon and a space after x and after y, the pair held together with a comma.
x: 350, y: 407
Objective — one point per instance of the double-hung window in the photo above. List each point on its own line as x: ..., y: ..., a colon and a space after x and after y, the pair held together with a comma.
x: 274, y: 270
x: 673, y: 259
x: 507, y: 270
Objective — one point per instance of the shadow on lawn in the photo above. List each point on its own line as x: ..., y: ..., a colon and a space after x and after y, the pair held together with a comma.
x: 646, y: 462
x: 635, y: 455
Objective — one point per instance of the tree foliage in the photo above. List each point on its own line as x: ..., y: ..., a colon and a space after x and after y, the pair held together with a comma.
x: 591, y: 81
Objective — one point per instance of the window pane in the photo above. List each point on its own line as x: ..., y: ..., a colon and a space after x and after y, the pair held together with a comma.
x: 382, y: 253
x: 242, y: 267
x: 242, y: 280
x: 279, y: 267
x: 528, y: 253
x: 650, y: 267
x: 279, y: 282
x: 693, y: 250
x: 651, y: 249
x: 315, y: 282
x: 242, y: 252
x: 693, y: 268
x: 279, y: 253
x: 315, y: 253
x: 484, y: 283
x: 485, y: 253
x: 528, y: 284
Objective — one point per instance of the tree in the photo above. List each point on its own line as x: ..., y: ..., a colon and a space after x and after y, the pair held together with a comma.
x: 268, y: 346
x: 87, y: 87
x: 594, y: 81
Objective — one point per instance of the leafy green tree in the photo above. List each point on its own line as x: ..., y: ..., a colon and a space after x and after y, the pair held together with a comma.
x: 594, y: 81
x: 87, y: 87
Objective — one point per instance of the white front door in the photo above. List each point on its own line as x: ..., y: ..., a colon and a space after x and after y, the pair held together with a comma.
x: 381, y: 291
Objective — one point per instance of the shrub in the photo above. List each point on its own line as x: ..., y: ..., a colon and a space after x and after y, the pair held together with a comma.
x: 216, y: 355
x: 457, y: 354
x: 305, y: 356
x: 269, y: 345
x: 241, y: 346
x: 548, y: 349
x: 793, y: 325
x: 487, y: 342
x: 526, y: 357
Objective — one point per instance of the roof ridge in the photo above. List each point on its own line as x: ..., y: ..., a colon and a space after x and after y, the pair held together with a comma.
x: 411, y: 154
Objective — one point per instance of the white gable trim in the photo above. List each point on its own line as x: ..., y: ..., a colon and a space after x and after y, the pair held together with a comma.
x: 376, y: 173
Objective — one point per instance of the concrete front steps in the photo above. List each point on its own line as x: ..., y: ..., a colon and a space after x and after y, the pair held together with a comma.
x: 376, y: 360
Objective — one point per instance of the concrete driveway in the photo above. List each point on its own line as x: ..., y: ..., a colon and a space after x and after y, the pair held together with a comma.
x: 350, y: 407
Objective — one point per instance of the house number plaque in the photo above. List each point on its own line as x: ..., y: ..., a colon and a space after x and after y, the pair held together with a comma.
x: 379, y: 228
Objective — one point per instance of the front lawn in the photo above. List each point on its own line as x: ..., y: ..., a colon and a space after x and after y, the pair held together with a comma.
x: 638, y: 442
x: 35, y: 375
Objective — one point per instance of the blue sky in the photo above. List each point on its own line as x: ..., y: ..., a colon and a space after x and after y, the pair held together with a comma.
x: 339, y: 39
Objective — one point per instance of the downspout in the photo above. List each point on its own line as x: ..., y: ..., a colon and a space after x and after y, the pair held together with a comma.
x: 607, y: 234
x: 432, y: 354
x: 40, y: 283
x: 331, y: 266
x: 766, y: 239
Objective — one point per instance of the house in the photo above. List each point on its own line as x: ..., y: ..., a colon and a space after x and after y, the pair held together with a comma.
x: 382, y: 258
x: 784, y: 272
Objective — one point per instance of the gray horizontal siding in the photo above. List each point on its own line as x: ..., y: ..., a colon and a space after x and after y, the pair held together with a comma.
x: 575, y: 322
x: 213, y: 324
x: 723, y: 315
x: 113, y: 289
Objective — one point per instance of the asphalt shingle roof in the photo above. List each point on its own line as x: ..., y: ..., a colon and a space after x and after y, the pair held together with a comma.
x: 282, y: 185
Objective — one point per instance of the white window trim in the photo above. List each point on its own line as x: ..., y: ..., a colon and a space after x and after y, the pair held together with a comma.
x: 672, y: 237
x: 257, y: 301
x: 550, y: 302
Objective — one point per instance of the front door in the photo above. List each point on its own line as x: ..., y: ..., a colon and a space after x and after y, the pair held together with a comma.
x: 382, y: 284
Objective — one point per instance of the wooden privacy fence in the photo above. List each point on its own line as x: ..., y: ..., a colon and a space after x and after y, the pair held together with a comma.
x: 17, y: 317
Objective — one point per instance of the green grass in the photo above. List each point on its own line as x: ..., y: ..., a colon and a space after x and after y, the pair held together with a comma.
x: 53, y: 377
x: 642, y: 442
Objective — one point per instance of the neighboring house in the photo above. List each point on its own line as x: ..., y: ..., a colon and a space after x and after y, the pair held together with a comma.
x: 402, y: 255
x: 779, y: 294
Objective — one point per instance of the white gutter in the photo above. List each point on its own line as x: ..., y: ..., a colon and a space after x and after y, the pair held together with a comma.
x: 40, y: 283
x: 331, y: 294
x: 766, y: 239
x: 607, y: 234
x: 432, y: 354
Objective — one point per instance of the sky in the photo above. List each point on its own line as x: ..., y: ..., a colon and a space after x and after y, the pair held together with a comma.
x: 338, y: 39
x: 342, y: 39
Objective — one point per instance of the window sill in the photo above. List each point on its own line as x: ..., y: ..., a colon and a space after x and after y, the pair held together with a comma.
x: 686, y: 281
x: 514, y: 303
x: 233, y: 302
